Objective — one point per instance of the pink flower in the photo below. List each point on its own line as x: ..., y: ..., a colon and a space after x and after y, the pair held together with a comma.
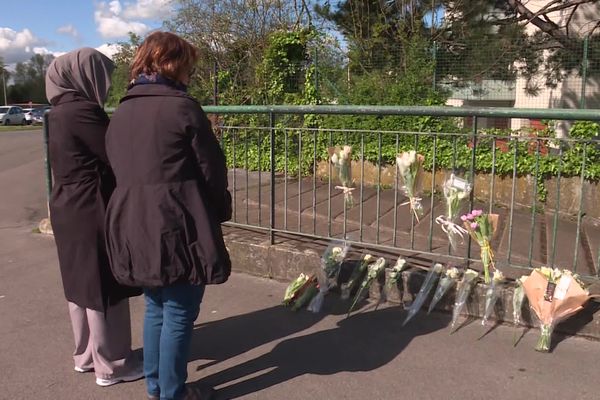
x: 463, y: 218
x: 476, y: 213
x: 474, y: 225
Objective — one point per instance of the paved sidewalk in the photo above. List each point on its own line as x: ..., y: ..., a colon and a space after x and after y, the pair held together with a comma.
x: 250, y: 347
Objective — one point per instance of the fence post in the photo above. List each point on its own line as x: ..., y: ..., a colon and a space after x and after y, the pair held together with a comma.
x: 272, y: 187
x: 584, y: 67
x: 434, y: 51
x: 317, y: 94
x: 48, y: 170
x: 216, y: 84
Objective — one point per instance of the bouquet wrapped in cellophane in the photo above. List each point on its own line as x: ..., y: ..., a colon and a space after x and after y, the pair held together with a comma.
x: 462, y: 294
x: 492, y: 293
x: 553, y: 295
x: 410, y: 170
x: 356, y: 276
x: 448, y: 279
x: 341, y: 158
x: 430, y: 280
x: 374, y: 270
x: 517, y: 303
x: 456, y: 190
x: 300, y: 291
x: 327, y: 274
x: 482, y: 228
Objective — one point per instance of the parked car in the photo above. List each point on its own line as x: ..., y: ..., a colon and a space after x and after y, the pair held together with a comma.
x: 12, y: 115
x: 37, y: 115
x: 27, y: 112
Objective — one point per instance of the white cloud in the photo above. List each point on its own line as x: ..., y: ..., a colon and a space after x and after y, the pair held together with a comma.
x: 148, y: 9
x: 70, y: 30
x: 108, y: 49
x: 20, y: 46
x: 112, y: 24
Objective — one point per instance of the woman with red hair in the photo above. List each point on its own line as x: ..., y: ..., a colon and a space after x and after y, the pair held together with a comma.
x: 164, y: 218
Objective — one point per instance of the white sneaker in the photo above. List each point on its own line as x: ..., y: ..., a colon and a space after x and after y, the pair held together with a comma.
x: 134, y: 375
x: 83, y: 370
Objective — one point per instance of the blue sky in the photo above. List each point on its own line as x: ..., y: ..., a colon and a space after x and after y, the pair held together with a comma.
x: 57, y: 26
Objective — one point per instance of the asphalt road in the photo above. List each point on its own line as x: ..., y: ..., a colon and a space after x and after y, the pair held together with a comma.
x: 248, y: 346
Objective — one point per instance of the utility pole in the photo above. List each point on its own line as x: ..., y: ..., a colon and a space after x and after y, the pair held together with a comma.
x: 4, y: 84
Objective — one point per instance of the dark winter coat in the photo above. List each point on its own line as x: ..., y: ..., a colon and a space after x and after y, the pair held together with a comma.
x: 83, y: 184
x: 164, y: 218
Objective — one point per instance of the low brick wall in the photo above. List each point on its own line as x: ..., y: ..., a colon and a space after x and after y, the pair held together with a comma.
x: 284, y: 262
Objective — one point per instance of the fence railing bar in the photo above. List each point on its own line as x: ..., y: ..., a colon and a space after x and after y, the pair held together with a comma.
x: 512, y: 199
x: 580, y: 211
x: 534, y: 203
x: 555, y: 222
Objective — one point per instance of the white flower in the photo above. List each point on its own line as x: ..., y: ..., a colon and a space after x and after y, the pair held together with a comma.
x: 336, y: 250
x: 470, y: 275
x: 437, y: 268
x: 412, y: 157
x: 498, y: 276
x: 367, y: 257
x: 334, y: 158
x: 452, y: 273
x: 400, y: 263
x: 522, y: 279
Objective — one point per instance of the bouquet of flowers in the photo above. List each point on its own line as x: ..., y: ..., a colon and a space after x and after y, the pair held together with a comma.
x: 455, y: 191
x: 464, y: 290
x: 327, y: 275
x: 430, y: 280
x: 448, y: 280
x: 492, y: 293
x: 374, y: 270
x: 306, y: 294
x: 394, y: 278
x: 341, y: 158
x: 357, y: 274
x: 553, y: 296
x: 482, y: 228
x: 517, y: 302
x: 410, y: 168
x: 293, y: 291
x: 395, y: 274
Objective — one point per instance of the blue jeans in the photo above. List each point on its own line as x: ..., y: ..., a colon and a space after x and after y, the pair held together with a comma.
x: 168, y: 324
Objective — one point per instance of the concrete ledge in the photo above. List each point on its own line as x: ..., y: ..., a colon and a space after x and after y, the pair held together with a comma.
x: 251, y: 253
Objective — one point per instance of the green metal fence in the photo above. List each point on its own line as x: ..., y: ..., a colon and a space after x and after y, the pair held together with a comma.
x: 282, y: 183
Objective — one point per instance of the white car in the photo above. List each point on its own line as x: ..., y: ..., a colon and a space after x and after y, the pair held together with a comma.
x: 12, y: 115
x: 28, y: 115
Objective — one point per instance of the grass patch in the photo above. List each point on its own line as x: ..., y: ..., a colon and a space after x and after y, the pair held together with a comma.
x: 12, y: 128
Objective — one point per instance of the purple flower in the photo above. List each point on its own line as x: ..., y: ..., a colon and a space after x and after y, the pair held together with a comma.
x: 474, y: 225
x: 476, y: 213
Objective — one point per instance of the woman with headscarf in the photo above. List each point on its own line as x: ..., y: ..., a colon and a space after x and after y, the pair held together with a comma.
x: 77, y: 85
x: 164, y: 218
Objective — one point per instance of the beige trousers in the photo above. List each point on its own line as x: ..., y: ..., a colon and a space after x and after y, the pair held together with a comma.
x: 103, y: 343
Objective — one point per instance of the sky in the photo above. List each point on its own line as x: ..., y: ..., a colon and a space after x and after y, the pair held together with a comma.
x: 58, y: 26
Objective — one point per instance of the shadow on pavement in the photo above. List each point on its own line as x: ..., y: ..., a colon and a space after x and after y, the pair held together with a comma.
x: 363, y: 342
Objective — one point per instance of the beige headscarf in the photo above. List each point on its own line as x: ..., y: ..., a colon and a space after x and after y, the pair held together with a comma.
x: 84, y: 71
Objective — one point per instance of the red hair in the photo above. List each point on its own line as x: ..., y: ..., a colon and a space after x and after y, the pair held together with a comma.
x: 166, y: 54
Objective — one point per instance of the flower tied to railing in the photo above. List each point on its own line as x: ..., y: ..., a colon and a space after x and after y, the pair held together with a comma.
x: 456, y: 190
x: 410, y: 170
x: 341, y: 158
x: 450, y: 228
x: 415, y: 206
x: 482, y: 228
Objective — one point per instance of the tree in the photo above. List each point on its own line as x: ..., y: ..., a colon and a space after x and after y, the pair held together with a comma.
x: 29, y: 80
x: 120, y: 77
x: 232, y: 36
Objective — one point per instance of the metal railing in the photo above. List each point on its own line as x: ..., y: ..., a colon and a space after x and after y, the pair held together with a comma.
x: 284, y: 172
